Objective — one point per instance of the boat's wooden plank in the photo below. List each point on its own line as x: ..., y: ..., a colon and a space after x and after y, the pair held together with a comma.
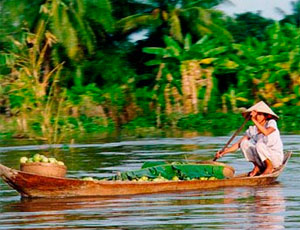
x: 32, y: 185
x: 54, y: 187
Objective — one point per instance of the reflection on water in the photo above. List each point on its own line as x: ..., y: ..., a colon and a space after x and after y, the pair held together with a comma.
x: 267, y: 207
x: 261, y: 208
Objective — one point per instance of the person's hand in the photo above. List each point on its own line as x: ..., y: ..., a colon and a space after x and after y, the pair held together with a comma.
x: 219, y: 154
x: 253, y: 114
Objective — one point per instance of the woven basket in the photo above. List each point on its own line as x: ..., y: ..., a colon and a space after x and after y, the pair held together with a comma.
x: 44, y: 169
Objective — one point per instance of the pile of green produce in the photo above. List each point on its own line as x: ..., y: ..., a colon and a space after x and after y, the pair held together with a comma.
x: 176, y: 171
x: 147, y: 179
x: 162, y: 171
x: 40, y: 158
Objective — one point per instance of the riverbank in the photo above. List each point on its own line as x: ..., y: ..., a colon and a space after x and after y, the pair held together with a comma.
x: 213, y: 124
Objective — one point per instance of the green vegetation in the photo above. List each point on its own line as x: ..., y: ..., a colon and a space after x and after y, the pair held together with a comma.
x: 40, y: 158
x: 175, y: 171
x: 73, y: 68
x: 160, y: 171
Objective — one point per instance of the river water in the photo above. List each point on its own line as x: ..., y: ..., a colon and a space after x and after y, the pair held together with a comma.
x: 275, y: 206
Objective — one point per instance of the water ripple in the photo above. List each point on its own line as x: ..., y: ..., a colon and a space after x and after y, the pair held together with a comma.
x: 266, y: 207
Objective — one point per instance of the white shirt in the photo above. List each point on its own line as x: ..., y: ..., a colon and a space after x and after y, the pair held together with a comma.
x: 273, y: 140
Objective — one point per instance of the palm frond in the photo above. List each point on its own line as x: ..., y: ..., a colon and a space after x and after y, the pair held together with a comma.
x: 172, y: 45
x: 83, y: 29
x: 175, y: 27
x: 154, y: 50
x: 68, y: 34
x: 101, y: 13
x: 153, y: 62
x: 202, y: 40
x: 80, y: 7
x: 137, y: 21
x: 187, y: 42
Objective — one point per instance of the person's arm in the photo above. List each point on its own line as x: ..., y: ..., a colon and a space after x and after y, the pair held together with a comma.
x: 265, y: 131
x: 232, y: 148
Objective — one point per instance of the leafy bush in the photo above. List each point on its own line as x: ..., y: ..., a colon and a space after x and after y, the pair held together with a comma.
x: 145, y: 122
x: 214, y: 123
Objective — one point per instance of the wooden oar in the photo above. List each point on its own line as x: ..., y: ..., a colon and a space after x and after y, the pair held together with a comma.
x: 233, y: 136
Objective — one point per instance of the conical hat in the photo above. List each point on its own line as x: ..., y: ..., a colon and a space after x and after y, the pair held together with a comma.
x: 260, y: 107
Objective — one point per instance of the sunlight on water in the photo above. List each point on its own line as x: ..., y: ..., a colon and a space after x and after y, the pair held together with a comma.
x: 267, y: 207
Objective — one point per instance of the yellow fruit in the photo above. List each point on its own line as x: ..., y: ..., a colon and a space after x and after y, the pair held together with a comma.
x: 60, y: 163
x: 175, y: 178
x: 144, y: 178
x: 36, y: 158
x: 30, y: 160
x: 44, y: 159
x: 52, y: 160
x: 158, y: 179
x: 23, y: 160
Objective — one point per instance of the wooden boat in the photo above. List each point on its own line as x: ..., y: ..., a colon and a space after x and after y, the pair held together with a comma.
x: 32, y: 185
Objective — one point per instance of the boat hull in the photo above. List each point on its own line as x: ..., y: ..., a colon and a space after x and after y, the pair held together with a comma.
x: 32, y: 185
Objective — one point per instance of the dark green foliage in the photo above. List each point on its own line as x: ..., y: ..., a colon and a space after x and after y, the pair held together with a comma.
x: 103, y: 69
x: 95, y: 124
x: 76, y: 93
x: 293, y: 18
x: 168, y: 171
x: 141, y: 121
x: 248, y: 25
x: 165, y: 171
x: 289, y: 117
x: 214, y: 123
x: 196, y: 171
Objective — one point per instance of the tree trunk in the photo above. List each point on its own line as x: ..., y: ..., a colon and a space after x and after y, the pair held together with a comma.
x: 209, y: 86
x: 186, y: 91
x: 155, y: 98
x: 190, y: 72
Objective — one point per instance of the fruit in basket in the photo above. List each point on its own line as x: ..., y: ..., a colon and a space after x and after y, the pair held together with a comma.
x: 40, y: 158
x: 52, y: 160
x: 36, y: 157
x: 23, y: 160
x: 30, y: 160
x: 42, y: 165
x: 60, y: 163
x: 44, y: 159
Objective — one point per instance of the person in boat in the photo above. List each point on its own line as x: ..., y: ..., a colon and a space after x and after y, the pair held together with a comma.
x: 261, y: 143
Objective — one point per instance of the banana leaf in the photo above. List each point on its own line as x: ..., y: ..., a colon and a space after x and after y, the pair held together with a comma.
x: 191, y: 171
x: 182, y: 171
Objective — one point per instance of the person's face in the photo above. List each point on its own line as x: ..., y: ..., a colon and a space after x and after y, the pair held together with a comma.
x: 260, y: 117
